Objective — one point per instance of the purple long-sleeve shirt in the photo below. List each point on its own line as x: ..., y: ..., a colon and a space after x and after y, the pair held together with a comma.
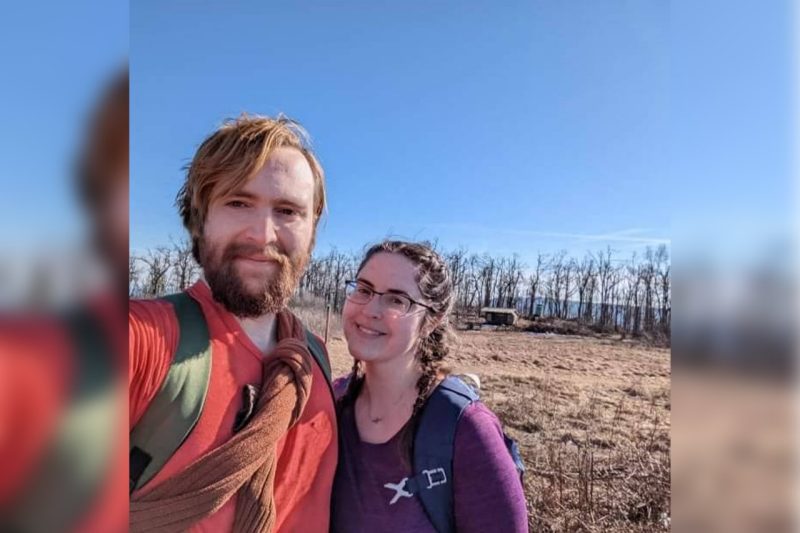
x: 488, y: 495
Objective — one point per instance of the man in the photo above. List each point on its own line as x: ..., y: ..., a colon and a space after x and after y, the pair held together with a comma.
x: 262, y: 454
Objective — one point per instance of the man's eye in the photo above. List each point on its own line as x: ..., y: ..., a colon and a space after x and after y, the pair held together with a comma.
x: 236, y: 204
x: 288, y: 211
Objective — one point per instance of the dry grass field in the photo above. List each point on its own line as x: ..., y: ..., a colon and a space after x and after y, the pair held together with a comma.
x: 592, y: 417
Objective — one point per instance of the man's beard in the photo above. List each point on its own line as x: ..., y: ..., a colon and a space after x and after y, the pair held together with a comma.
x: 229, y: 289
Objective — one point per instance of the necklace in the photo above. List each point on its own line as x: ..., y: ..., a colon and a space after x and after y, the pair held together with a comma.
x: 378, y: 419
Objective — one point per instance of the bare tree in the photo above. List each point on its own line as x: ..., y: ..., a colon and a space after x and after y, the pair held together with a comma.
x: 663, y: 275
x: 487, y: 278
x: 607, y: 280
x: 534, y: 281
x: 586, y: 280
x: 184, y: 268
x: 555, y: 283
x: 134, y: 285
x: 633, y: 295
x: 157, y: 264
x: 457, y: 261
x: 325, y: 277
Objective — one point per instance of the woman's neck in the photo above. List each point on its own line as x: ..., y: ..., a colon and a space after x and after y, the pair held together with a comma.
x: 389, y: 385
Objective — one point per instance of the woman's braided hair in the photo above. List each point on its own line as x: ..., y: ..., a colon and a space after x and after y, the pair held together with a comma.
x: 436, y: 336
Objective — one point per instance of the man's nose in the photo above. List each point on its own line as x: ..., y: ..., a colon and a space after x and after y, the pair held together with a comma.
x: 263, y: 229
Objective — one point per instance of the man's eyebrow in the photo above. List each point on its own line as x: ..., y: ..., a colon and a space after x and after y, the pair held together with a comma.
x: 292, y: 203
x: 245, y: 194
x: 241, y: 193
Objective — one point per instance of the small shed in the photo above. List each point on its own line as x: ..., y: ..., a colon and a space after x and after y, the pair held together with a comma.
x: 499, y: 316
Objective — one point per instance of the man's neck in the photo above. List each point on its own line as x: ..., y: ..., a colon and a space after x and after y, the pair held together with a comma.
x: 263, y: 331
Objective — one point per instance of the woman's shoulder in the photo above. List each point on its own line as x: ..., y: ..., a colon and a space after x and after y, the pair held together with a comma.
x: 477, y: 418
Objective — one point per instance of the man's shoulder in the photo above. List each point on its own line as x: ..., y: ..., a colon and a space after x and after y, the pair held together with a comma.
x: 149, y: 316
x: 149, y: 308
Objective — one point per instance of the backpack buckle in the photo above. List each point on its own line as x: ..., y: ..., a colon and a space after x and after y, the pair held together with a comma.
x: 435, y: 476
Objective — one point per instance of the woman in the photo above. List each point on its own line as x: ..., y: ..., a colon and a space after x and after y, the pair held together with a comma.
x: 395, y: 320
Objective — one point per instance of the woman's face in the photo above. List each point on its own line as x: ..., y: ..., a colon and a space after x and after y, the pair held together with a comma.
x: 375, y: 333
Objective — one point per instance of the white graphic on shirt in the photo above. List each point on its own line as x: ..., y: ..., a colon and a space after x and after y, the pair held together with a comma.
x: 399, y: 490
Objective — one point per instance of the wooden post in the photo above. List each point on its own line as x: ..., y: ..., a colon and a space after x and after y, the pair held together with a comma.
x: 327, y: 322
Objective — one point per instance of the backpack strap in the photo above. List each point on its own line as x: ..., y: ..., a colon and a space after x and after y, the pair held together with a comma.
x: 176, y: 408
x: 76, y: 461
x: 433, y: 450
x: 318, y: 352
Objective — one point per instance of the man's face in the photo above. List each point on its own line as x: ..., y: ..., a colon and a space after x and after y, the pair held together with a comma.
x: 256, y: 241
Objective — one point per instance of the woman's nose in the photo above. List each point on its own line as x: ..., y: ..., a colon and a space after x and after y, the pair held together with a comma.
x: 373, y: 307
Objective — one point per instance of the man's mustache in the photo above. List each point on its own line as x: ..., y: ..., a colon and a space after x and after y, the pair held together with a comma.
x: 270, y: 253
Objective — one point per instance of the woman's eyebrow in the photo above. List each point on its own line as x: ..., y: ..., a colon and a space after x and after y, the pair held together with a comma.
x: 398, y: 291
x: 390, y: 291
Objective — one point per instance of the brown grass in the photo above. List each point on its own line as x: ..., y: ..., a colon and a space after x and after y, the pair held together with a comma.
x: 591, y: 415
x: 311, y: 310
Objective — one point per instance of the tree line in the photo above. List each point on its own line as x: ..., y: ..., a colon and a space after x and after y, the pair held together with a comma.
x: 602, y: 290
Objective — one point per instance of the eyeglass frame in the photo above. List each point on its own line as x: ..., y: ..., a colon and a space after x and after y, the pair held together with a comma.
x: 355, y: 283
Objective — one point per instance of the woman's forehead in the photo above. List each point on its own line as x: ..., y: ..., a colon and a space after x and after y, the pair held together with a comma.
x: 389, y: 271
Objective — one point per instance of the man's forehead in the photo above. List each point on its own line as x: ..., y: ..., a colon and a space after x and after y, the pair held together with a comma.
x: 287, y: 172
x: 288, y: 160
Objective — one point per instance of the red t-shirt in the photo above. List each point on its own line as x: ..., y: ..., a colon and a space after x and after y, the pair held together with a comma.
x: 306, y: 455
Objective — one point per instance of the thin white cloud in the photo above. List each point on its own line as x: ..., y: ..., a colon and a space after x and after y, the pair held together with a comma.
x: 629, y: 235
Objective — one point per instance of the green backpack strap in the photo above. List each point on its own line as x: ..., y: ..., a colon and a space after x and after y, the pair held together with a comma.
x: 176, y: 408
x: 76, y: 463
x: 318, y: 353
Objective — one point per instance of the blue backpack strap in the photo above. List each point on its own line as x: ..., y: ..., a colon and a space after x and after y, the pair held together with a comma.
x: 433, y: 450
x: 516, y: 455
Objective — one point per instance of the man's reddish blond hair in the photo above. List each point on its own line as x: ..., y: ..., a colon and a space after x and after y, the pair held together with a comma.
x: 230, y: 156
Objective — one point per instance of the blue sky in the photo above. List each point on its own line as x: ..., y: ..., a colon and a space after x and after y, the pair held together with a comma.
x: 537, y: 125
x: 534, y: 126
x: 732, y: 163
x: 55, y: 57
